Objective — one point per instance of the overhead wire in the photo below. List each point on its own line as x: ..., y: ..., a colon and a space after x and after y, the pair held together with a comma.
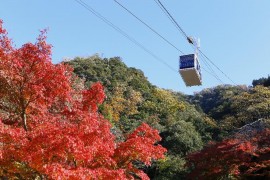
x: 149, y: 27
x: 90, y: 9
x: 216, y: 66
x: 171, y: 17
x: 212, y: 71
x: 154, y: 31
x: 164, y: 9
x: 167, y: 16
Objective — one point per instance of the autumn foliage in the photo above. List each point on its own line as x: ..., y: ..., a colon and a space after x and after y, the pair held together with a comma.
x: 50, y: 126
x: 240, y: 157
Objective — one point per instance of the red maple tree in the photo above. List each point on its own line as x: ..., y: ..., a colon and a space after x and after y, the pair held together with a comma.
x: 239, y: 157
x: 50, y: 126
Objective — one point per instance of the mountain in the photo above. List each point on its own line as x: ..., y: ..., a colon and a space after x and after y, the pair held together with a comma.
x: 132, y: 99
x: 186, y: 123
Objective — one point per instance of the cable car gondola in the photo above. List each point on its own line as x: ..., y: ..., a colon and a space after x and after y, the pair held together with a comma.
x: 189, y: 68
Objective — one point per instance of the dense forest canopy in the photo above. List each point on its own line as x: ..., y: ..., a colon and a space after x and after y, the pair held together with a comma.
x: 186, y: 123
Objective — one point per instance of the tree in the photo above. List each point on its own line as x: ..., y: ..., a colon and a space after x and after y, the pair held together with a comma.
x: 171, y: 167
x: 262, y: 81
x: 250, y: 106
x: 123, y: 101
x: 240, y: 157
x: 181, y: 138
x: 216, y: 102
x: 164, y: 104
x: 29, y: 81
x: 50, y: 126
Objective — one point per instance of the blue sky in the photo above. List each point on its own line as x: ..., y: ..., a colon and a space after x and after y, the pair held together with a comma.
x: 234, y: 34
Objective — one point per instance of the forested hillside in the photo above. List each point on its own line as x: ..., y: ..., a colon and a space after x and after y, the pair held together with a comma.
x: 132, y: 99
x: 234, y: 106
x: 186, y: 123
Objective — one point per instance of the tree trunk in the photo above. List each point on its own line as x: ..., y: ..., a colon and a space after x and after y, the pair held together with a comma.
x: 23, y: 116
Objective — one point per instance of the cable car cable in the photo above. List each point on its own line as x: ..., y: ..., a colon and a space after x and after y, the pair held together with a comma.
x: 183, y: 32
x: 171, y: 18
x: 162, y: 37
x: 90, y: 9
x: 216, y: 67
x: 213, y: 73
x: 168, y: 17
x: 167, y: 13
x: 153, y: 30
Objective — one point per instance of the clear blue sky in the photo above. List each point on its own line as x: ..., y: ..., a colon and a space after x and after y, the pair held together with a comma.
x: 234, y: 34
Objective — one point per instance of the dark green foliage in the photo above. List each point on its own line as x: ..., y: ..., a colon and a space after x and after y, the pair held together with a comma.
x: 111, y: 72
x: 262, y: 81
x: 251, y: 106
x: 216, y: 101
x: 172, y: 167
x: 181, y: 138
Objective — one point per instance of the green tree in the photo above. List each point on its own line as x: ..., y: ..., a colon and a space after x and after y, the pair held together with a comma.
x: 250, y: 106
x: 262, y: 81
x: 181, y: 138
x: 216, y: 102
